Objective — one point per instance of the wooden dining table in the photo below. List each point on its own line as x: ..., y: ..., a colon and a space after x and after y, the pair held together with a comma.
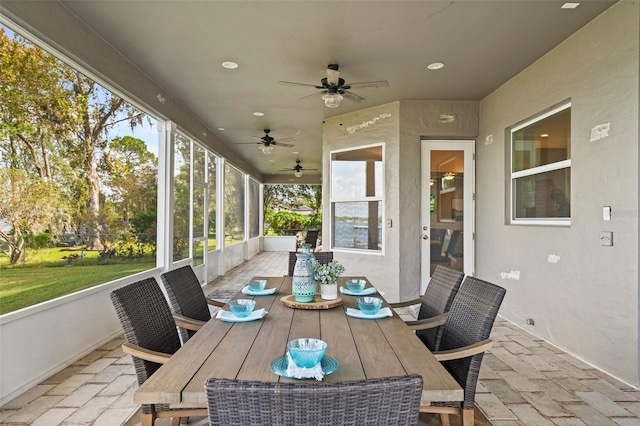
x: 364, y: 349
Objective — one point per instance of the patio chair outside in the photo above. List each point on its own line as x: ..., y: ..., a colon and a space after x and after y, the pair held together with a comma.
x: 311, y: 238
x: 150, y: 338
x: 322, y: 257
x: 465, y: 338
x: 434, y: 305
x: 384, y: 401
x: 188, y: 301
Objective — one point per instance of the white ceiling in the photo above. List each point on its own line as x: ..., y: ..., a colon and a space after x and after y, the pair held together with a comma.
x: 182, y: 44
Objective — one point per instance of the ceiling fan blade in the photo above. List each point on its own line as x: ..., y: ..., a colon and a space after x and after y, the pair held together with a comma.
x: 248, y: 143
x: 365, y: 84
x: 306, y: 170
x: 333, y: 76
x: 290, y: 83
x: 279, y: 140
x: 352, y: 96
x: 314, y: 95
x: 287, y: 145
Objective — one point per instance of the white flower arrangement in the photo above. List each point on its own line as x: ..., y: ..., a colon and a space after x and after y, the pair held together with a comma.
x: 327, y: 274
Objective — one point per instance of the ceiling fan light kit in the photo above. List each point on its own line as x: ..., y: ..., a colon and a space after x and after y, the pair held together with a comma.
x: 297, y: 169
x: 267, y: 150
x: 267, y: 142
x: 334, y: 89
x: 332, y: 100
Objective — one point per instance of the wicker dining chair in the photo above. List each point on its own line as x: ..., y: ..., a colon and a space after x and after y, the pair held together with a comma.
x: 465, y: 338
x: 322, y: 257
x: 150, y: 338
x: 382, y: 401
x: 434, y: 305
x: 188, y: 301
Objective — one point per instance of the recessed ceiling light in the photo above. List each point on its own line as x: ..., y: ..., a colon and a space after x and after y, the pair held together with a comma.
x: 435, y: 66
x: 258, y: 114
x: 570, y: 5
x: 295, y: 152
x: 220, y: 128
x: 230, y: 65
x: 544, y: 135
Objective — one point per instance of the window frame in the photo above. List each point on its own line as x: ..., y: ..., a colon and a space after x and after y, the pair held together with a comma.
x: 380, y: 198
x: 533, y: 171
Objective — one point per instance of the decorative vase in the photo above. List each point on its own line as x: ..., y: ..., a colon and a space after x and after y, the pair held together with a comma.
x: 303, y: 286
x: 329, y: 291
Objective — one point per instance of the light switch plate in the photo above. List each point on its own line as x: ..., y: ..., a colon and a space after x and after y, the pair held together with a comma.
x: 606, y: 238
x: 606, y: 213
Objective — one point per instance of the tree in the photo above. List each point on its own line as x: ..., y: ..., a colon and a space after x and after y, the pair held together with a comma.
x: 288, y: 197
x: 25, y: 206
x: 130, y: 172
x: 54, y: 123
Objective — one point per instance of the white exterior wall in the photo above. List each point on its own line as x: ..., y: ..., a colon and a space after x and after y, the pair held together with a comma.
x: 397, y: 271
x: 587, y: 303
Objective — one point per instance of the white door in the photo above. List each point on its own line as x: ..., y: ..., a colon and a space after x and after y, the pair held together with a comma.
x: 447, y: 206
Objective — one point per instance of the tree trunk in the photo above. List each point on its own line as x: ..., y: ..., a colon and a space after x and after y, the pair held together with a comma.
x: 16, y: 247
x: 93, y: 181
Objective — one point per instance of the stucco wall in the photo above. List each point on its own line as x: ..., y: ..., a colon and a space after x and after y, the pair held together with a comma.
x: 587, y: 303
x: 422, y: 120
x: 382, y: 270
x: 397, y: 272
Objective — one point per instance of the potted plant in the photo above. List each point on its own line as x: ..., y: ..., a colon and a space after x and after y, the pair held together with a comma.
x: 327, y: 275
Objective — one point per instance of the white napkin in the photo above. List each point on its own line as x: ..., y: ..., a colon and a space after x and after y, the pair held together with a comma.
x: 365, y: 292
x: 303, y: 373
x: 382, y: 313
x: 248, y: 291
x: 230, y: 317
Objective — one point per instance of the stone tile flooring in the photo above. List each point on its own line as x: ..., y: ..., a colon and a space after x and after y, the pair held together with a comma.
x: 523, y: 381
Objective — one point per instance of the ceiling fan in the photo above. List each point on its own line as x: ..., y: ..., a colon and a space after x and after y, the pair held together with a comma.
x: 297, y: 169
x: 333, y: 88
x: 267, y: 142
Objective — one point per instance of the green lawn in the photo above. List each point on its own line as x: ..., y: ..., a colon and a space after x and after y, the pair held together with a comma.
x: 47, y: 276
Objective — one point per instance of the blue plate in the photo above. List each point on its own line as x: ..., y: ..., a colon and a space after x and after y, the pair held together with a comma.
x: 280, y: 364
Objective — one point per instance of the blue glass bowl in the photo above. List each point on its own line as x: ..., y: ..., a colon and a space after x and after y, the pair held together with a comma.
x: 306, y: 352
x: 369, y: 305
x: 242, y: 307
x: 356, y: 285
x: 257, y: 285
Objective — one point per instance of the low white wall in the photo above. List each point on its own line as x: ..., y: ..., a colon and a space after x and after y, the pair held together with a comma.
x: 213, y: 265
x: 273, y: 243
x: 41, y: 340
x: 253, y: 247
x: 233, y: 255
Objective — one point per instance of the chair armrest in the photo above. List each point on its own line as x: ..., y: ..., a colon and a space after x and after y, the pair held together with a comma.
x: 215, y: 303
x: 464, y: 351
x: 188, y: 323
x: 428, y: 323
x: 146, y: 354
x: 416, y: 301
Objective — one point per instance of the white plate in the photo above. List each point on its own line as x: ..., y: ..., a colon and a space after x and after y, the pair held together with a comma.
x: 365, y: 292
x: 382, y: 313
x: 230, y: 317
x: 267, y: 291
